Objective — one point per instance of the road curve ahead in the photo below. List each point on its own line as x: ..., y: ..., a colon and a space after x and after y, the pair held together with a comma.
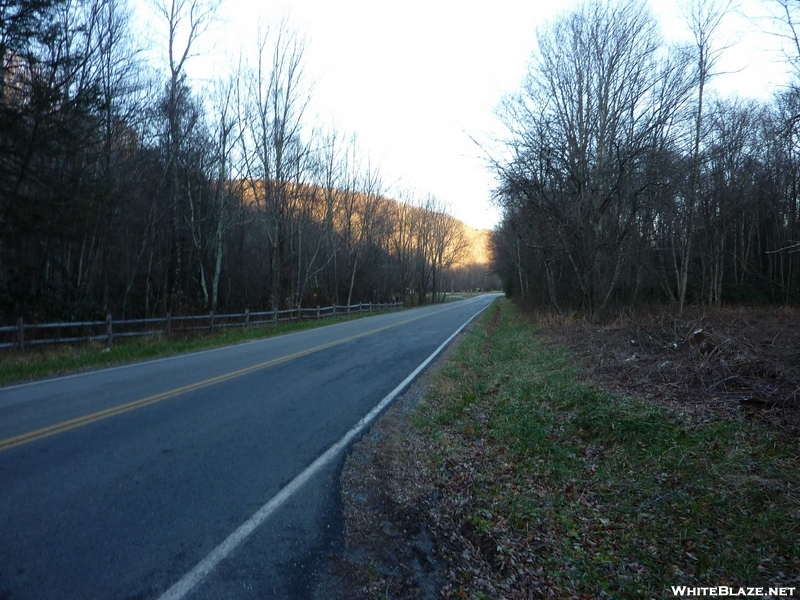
x: 198, y: 476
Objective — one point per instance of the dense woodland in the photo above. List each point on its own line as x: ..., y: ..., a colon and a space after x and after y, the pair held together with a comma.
x: 126, y: 189
x: 626, y: 179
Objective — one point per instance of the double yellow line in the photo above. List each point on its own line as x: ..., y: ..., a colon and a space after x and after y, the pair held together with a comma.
x: 45, y: 432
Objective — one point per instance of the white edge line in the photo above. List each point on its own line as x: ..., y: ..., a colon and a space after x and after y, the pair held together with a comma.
x: 139, y: 363
x: 204, y: 568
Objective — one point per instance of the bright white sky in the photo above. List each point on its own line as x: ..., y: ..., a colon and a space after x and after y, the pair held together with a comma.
x: 415, y: 80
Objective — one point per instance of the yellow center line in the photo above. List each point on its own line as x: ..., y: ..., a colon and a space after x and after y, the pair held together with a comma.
x: 45, y: 432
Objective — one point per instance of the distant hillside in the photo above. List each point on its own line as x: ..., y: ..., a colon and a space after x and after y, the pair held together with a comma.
x: 311, y: 200
x: 478, y: 246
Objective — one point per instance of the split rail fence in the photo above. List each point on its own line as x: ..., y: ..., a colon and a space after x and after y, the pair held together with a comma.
x: 23, y: 335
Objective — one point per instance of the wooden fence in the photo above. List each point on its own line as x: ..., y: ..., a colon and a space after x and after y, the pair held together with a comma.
x: 24, y: 334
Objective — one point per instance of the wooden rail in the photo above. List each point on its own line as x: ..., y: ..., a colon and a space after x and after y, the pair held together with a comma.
x: 23, y: 334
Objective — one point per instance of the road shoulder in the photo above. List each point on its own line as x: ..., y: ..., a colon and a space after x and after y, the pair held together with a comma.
x: 386, y: 489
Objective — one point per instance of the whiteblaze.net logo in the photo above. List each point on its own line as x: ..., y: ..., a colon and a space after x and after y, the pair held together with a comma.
x: 724, y: 591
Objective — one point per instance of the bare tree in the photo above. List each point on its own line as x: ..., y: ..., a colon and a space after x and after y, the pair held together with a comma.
x: 402, y: 244
x: 185, y: 22
x: 333, y: 177
x: 360, y: 214
x: 448, y: 244
x: 704, y: 20
x: 599, y: 92
x: 277, y: 101
x: 212, y: 212
x: 787, y: 17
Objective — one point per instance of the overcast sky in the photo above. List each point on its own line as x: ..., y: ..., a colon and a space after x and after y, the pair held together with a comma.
x: 416, y: 80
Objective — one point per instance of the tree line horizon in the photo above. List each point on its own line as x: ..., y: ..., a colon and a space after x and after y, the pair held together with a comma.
x: 126, y: 189
x: 624, y: 179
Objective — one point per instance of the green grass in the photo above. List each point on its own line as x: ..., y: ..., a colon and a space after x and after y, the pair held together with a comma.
x: 617, y: 497
x: 39, y: 363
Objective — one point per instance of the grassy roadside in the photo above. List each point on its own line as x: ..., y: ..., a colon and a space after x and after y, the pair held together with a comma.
x: 547, y: 486
x: 39, y: 363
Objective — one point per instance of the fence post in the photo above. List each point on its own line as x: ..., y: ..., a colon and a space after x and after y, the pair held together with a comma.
x: 21, y: 330
x: 211, y: 321
x: 275, y: 317
x: 109, y: 330
x: 370, y: 308
x: 317, y: 312
x: 169, y: 324
x: 246, y: 318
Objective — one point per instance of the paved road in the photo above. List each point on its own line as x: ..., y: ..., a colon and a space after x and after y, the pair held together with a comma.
x: 118, y: 484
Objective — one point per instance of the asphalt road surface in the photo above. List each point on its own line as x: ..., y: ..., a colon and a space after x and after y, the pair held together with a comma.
x: 210, y: 475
